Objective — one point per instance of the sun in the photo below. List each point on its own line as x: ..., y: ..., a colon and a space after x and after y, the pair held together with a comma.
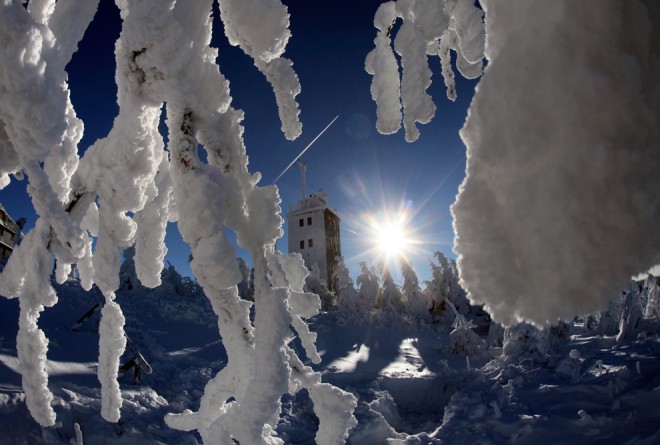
x: 391, y: 240
x: 390, y: 235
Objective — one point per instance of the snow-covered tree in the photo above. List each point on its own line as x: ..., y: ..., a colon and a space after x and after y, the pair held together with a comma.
x: 652, y: 309
x: 368, y: 286
x: 315, y: 285
x: 605, y: 322
x: 246, y: 286
x: 545, y: 183
x: 444, y: 291
x: 390, y: 298
x: 463, y: 340
x: 495, y: 335
x: 163, y: 56
x: 347, y: 295
x: 417, y: 303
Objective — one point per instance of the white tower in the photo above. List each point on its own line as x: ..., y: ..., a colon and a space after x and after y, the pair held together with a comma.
x: 314, y: 232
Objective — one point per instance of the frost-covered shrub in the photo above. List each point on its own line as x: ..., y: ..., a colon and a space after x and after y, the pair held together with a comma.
x: 463, y: 340
x: 524, y: 341
x: 570, y: 367
x: 347, y: 295
x: 559, y: 332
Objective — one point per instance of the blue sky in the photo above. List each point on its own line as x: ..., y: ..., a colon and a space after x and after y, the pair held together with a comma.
x: 364, y: 173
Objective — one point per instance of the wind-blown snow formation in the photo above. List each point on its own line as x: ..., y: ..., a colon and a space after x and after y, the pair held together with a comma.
x: 560, y: 204
x: 81, y: 199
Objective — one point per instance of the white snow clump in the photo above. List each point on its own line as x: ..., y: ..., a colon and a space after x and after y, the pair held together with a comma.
x: 559, y: 206
x: 429, y: 28
x: 163, y: 57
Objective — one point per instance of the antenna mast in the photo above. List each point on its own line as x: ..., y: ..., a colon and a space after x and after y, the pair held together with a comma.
x: 303, y: 168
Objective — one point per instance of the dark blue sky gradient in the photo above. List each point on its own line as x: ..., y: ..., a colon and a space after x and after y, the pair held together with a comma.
x: 362, y: 171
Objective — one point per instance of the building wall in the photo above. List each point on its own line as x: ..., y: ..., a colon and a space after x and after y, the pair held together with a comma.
x: 314, y: 231
x: 8, y: 230
x: 333, y: 246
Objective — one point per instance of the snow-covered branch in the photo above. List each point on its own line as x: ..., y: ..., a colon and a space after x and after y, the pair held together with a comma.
x: 429, y: 28
x: 164, y: 62
x: 559, y: 206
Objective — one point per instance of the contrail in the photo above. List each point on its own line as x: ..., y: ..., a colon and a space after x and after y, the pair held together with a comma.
x: 305, y: 149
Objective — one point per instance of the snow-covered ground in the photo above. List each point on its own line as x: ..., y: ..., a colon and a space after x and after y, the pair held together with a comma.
x: 582, y: 389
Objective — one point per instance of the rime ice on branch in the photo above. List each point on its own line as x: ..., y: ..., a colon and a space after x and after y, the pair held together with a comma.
x: 559, y: 207
x: 429, y: 28
x: 92, y: 199
x: 560, y: 204
x: 38, y: 126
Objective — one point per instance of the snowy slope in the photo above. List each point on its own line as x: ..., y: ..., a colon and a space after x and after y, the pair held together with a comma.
x: 411, y: 389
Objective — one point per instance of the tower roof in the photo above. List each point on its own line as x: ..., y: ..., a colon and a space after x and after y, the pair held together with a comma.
x: 318, y: 199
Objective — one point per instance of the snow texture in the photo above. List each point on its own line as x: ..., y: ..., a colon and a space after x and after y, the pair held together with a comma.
x: 382, y: 65
x: 261, y: 29
x: 409, y: 390
x: 38, y: 126
x: 80, y: 200
x: 429, y: 28
x: 111, y: 347
x: 559, y: 206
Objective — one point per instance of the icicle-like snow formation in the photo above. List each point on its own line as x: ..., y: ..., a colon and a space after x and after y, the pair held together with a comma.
x: 430, y: 27
x: 163, y: 57
x: 560, y: 204
x: 39, y: 126
x: 261, y: 29
x: 243, y: 401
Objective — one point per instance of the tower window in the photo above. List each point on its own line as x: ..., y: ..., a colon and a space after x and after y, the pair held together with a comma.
x: 310, y: 243
x: 309, y: 220
x: 302, y: 243
x: 301, y: 222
